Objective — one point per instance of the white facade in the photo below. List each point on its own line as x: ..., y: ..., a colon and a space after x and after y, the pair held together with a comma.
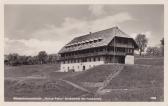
x: 89, y: 63
x: 81, y: 66
x: 129, y: 59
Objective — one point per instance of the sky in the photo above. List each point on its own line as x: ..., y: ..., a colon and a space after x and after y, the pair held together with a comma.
x: 33, y: 28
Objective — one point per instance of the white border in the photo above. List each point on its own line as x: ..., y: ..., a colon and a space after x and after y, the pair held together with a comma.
x: 165, y: 2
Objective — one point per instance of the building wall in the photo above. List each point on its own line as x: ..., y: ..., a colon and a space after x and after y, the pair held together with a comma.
x: 129, y: 59
x: 81, y: 65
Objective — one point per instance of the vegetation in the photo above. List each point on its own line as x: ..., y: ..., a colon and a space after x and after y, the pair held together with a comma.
x: 42, y: 58
x: 95, y: 74
x: 142, y: 42
x: 153, y: 51
x: 162, y: 46
x: 154, y: 61
x: 137, y: 82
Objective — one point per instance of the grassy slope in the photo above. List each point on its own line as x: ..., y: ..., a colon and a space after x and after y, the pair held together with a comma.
x: 142, y: 81
x: 149, y: 77
x: 96, y: 74
x: 27, y: 70
x: 19, y: 84
x: 149, y: 60
x: 138, y: 76
x: 39, y: 88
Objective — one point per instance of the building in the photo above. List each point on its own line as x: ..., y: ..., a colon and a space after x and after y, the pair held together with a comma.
x: 107, y: 46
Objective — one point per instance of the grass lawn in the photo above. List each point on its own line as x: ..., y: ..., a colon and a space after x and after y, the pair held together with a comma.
x: 28, y: 70
x: 149, y: 60
x: 137, y: 82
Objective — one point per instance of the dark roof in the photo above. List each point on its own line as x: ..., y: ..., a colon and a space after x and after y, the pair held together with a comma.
x: 92, y: 40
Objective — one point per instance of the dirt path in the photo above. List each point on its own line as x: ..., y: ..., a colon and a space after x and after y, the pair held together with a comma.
x: 117, y: 70
x: 76, y: 86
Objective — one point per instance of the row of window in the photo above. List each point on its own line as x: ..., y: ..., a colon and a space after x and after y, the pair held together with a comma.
x: 84, y: 43
x: 82, y: 52
x: 124, y: 50
x: 88, y: 59
x: 78, y: 67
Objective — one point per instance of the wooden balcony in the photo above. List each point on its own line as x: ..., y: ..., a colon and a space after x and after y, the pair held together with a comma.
x: 123, y: 45
x: 93, y: 54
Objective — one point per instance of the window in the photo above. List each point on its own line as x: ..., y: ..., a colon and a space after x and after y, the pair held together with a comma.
x: 99, y: 40
x: 95, y: 41
x: 94, y: 59
x: 100, y: 49
x: 98, y: 58
x: 90, y: 59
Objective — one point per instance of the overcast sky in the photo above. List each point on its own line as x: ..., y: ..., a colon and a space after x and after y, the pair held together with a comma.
x: 33, y: 28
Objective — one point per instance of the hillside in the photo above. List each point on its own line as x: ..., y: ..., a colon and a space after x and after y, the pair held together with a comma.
x: 149, y: 60
x: 95, y: 74
x: 28, y: 70
x: 137, y: 82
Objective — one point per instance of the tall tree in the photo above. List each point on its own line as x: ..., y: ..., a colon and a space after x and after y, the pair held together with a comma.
x: 153, y: 51
x: 162, y: 46
x: 42, y: 56
x: 162, y: 41
x: 142, y: 42
x: 13, y: 59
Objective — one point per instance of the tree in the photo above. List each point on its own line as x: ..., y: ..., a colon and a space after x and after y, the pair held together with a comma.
x: 141, y: 41
x: 42, y: 57
x: 52, y: 58
x: 162, y: 41
x: 13, y: 59
x: 162, y: 46
x: 153, y: 51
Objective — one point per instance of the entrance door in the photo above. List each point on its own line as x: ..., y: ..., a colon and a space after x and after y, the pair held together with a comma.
x: 83, y: 68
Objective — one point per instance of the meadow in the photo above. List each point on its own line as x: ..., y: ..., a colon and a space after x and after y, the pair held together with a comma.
x: 143, y: 81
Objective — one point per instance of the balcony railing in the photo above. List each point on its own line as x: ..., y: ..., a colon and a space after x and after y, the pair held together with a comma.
x: 93, y: 54
x: 123, y: 45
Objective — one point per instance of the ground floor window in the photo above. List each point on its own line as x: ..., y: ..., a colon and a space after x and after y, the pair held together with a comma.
x: 83, y: 68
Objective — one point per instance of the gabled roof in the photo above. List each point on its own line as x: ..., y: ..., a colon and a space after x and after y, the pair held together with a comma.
x: 96, y: 39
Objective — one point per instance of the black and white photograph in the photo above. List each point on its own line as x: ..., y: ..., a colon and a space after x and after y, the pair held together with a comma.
x: 84, y: 53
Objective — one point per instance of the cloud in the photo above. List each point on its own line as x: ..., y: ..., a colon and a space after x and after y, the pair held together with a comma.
x: 97, y: 10
x: 149, y: 36
x: 72, y: 27
x: 31, y: 46
x: 51, y: 37
x: 147, y: 33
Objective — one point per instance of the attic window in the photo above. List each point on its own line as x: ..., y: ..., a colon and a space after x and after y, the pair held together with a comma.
x: 95, y: 41
x: 99, y: 40
x: 90, y: 41
x: 84, y: 42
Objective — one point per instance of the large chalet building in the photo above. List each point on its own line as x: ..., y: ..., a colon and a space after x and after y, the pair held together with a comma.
x: 107, y: 46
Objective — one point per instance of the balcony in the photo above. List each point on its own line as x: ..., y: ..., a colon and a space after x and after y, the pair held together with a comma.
x: 123, y: 45
x: 93, y: 54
